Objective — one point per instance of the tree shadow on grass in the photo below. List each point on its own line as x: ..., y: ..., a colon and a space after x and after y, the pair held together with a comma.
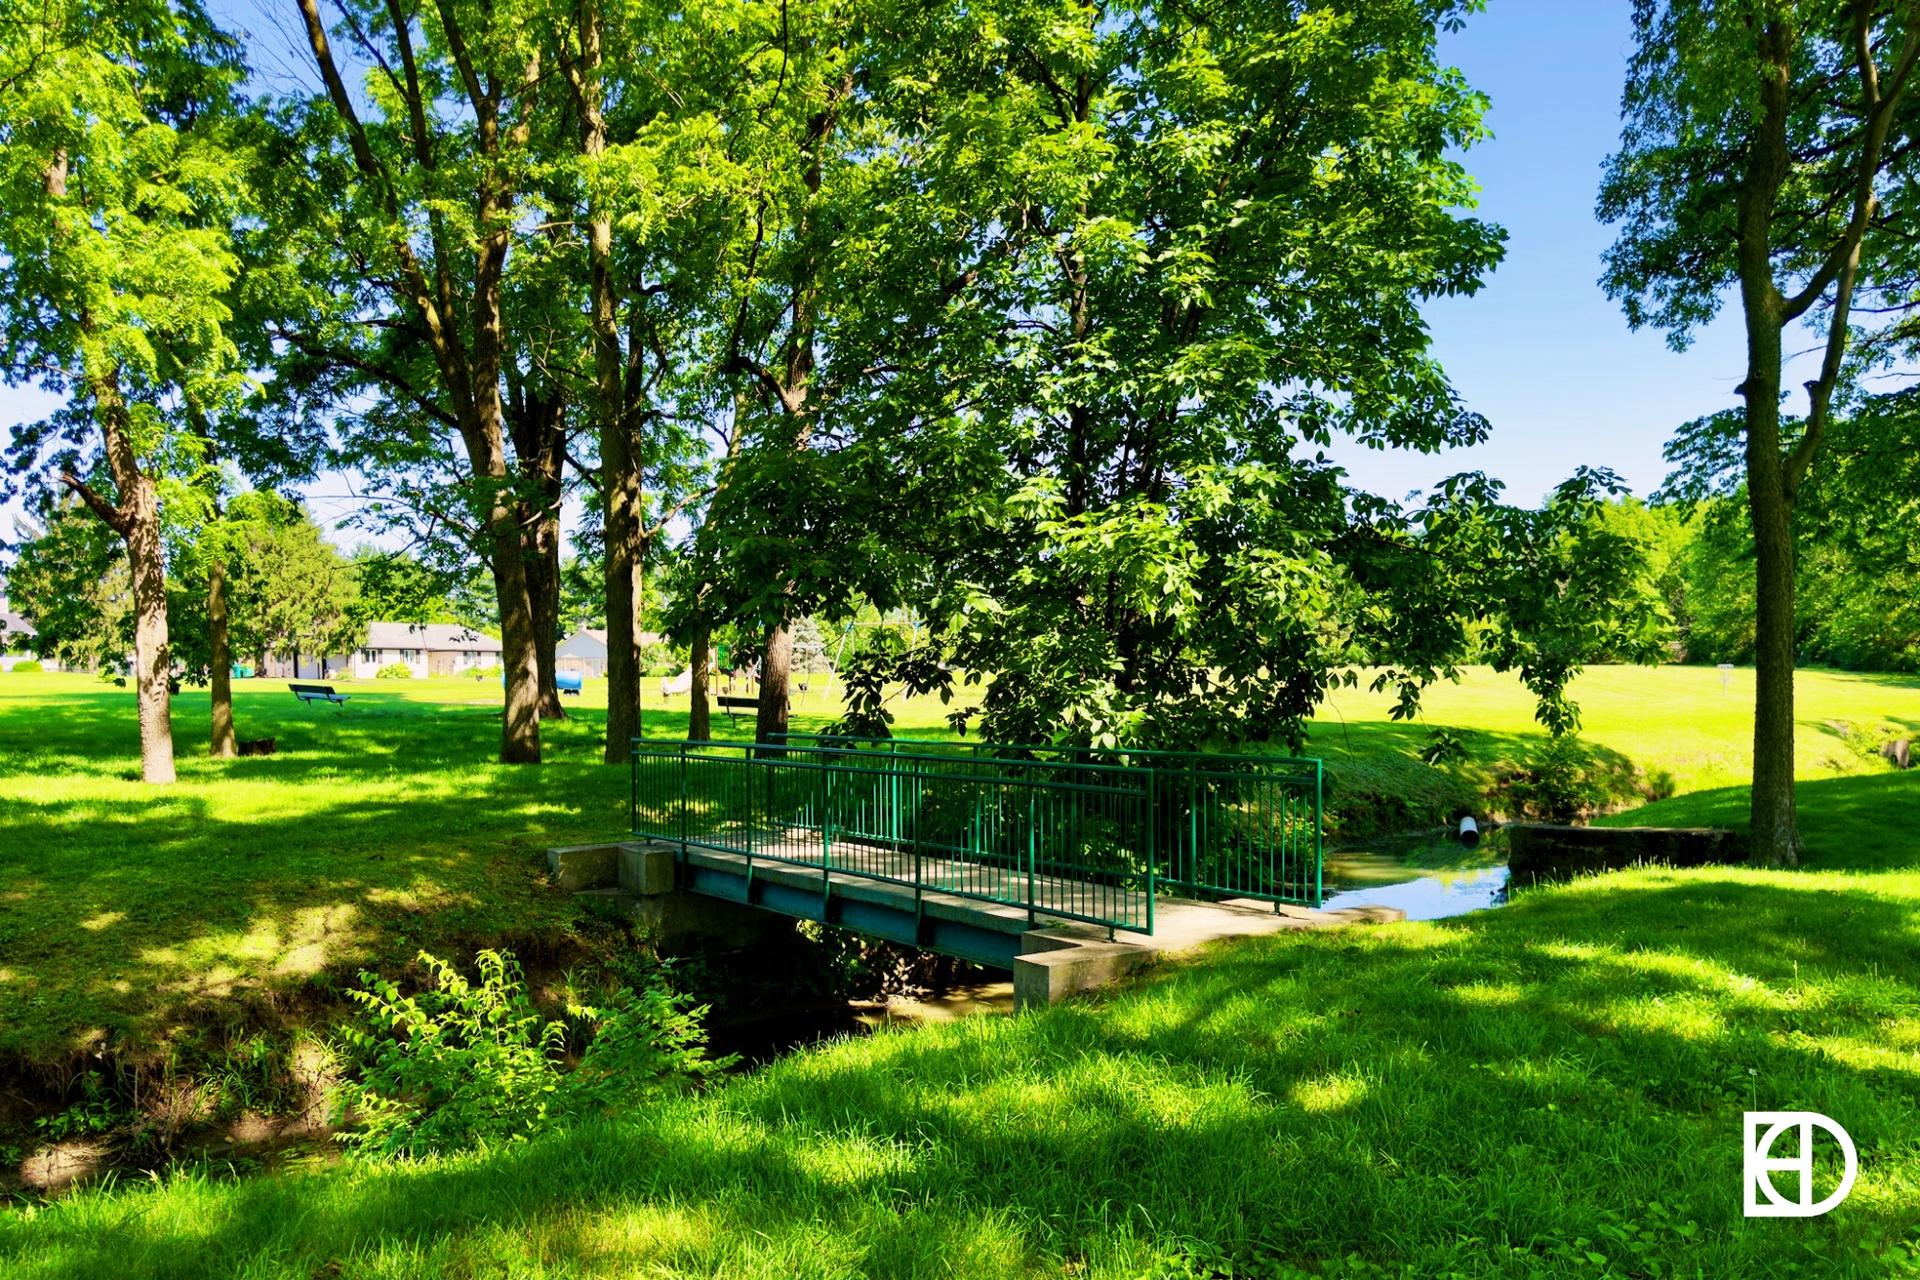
x: 127, y: 911
x: 1858, y: 823
x: 1430, y: 1096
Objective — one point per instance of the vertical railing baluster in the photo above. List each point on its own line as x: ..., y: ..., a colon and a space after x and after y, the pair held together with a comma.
x: 1030, y: 855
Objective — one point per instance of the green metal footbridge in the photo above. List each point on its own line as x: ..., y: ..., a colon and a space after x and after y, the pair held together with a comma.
x: 964, y: 848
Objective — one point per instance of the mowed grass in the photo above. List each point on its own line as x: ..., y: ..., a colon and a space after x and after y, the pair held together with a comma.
x: 1694, y: 722
x: 1552, y: 1089
x: 129, y: 912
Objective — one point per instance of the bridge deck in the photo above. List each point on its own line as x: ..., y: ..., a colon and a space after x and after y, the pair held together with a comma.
x: 880, y: 891
x: 874, y: 888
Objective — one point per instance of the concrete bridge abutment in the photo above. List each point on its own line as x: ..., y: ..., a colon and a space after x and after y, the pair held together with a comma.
x: 639, y: 879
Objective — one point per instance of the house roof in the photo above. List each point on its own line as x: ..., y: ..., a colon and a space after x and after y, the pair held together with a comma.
x: 584, y: 643
x: 591, y: 642
x: 12, y: 626
x: 428, y: 635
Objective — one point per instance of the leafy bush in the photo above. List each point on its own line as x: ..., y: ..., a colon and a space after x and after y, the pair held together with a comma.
x: 99, y: 1109
x: 29, y: 667
x: 661, y: 660
x: 493, y: 672
x: 1564, y: 779
x: 394, y: 671
x: 464, y: 1064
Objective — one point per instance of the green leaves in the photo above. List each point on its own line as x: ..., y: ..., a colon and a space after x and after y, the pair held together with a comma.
x: 462, y: 1063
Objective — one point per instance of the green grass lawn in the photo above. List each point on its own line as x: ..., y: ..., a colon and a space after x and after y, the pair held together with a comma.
x: 1553, y: 1088
x: 1680, y: 719
x: 129, y: 912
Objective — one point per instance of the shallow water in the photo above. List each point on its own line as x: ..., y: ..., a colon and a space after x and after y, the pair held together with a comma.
x: 1408, y: 880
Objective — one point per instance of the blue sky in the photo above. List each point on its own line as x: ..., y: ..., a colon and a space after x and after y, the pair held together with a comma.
x: 1541, y: 351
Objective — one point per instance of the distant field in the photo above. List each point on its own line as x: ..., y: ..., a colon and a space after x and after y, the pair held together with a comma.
x: 1680, y: 719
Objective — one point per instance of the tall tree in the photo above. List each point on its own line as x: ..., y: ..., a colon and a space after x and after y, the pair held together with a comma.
x: 422, y: 205
x: 1755, y: 159
x: 651, y: 162
x: 117, y: 174
x: 1202, y: 238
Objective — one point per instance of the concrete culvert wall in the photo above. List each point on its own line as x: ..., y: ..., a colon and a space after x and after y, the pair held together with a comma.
x: 1547, y: 851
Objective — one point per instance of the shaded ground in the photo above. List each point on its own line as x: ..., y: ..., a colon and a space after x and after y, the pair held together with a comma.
x: 1552, y: 1089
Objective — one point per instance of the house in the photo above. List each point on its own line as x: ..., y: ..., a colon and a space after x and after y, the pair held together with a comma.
x: 16, y: 641
x: 585, y: 651
x: 427, y: 648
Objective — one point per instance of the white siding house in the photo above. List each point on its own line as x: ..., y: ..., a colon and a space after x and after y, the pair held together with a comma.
x: 427, y: 648
x: 16, y: 641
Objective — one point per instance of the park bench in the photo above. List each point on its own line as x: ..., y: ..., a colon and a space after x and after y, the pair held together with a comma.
x: 318, y: 693
x: 734, y: 705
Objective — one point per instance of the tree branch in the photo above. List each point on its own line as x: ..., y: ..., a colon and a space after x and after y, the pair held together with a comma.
x: 116, y: 519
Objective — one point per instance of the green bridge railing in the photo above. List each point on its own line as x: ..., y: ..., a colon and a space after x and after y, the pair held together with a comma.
x: 1229, y: 825
x: 1056, y: 832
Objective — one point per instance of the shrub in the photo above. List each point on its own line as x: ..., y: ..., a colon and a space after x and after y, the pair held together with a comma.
x: 1564, y: 779
x: 394, y: 671
x: 465, y: 1064
x: 1661, y: 785
x: 28, y: 667
x: 493, y: 672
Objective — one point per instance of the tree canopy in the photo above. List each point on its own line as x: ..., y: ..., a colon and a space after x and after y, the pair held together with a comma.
x: 1036, y: 320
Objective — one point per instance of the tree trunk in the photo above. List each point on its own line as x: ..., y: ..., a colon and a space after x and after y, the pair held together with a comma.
x: 136, y: 518
x: 699, y: 714
x: 1776, y: 839
x: 621, y: 465
x: 541, y: 550
x: 776, y: 665
x: 1774, y: 816
x: 1773, y: 820
x: 152, y: 661
x: 620, y: 477
x: 220, y: 660
x: 520, y: 730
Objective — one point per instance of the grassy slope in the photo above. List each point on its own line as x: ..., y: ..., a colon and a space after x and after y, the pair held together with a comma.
x: 1551, y: 1089
x: 1501, y: 1095
x: 1676, y: 718
x: 126, y: 911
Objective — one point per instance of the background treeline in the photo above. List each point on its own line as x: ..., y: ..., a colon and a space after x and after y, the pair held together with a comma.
x: 1856, y: 540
